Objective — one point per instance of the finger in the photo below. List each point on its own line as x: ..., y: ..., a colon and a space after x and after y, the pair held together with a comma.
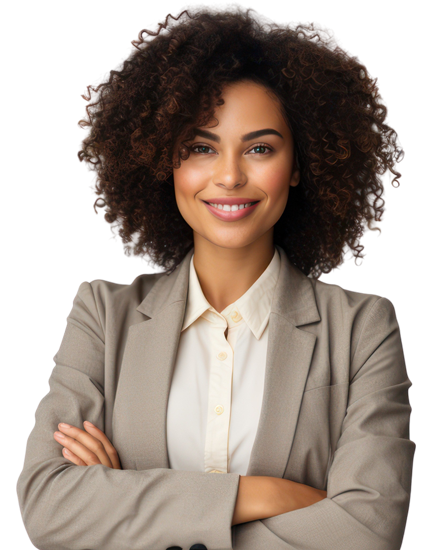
x: 85, y: 446
x: 81, y: 451
x: 110, y: 450
x: 73, y: 458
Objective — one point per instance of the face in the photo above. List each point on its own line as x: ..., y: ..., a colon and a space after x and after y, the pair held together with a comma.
x: 247, y: 157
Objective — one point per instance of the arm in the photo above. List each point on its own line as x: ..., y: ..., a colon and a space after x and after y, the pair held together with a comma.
x: 261, y: 497
x: 68, y: 507
x: 369, y: 482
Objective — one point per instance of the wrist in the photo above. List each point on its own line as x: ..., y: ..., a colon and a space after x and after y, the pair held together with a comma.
x: 255, y: 499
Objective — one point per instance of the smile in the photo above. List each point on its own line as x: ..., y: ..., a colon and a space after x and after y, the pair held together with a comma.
x: 232, y: 212
x: 232, y: 208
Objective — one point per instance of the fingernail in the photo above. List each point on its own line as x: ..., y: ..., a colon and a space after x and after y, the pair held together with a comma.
x: 59, y: 435
x: 87, y: 423
x: 63, y: 425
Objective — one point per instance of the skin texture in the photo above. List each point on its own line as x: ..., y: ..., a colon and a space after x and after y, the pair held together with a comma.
x: 87, y: 447
x: 261, y: 497
x: 230, y: 256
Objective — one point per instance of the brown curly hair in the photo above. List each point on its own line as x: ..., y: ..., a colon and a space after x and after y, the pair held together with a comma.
x: 172, y: 83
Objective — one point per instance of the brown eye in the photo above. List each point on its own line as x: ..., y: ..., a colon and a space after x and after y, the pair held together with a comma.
x: 194, y: 147
x: 262, y: 146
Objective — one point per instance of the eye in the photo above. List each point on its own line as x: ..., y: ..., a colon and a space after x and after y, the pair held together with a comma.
x: 194, y: 147
x: 204, y: 149
x: 262, y: 146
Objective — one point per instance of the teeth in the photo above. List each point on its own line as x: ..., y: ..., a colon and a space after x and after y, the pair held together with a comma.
x: 229, y: 208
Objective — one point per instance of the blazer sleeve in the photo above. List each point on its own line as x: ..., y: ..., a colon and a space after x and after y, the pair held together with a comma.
x: 369, y: 480
x: 70, y: 507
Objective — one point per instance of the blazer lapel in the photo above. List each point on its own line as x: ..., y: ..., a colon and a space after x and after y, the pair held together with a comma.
x: 146, y: 373
x: 289, y: 355
x: 148, y: 364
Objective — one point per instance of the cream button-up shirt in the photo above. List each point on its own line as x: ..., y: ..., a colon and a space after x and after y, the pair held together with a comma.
x: 216, y: 392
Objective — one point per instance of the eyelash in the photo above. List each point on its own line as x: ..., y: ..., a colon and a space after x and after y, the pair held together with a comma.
x: 193, y: 147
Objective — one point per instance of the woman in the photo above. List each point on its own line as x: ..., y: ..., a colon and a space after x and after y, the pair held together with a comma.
x: 241, y: 160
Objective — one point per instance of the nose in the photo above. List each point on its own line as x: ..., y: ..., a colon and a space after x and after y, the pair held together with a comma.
x: 229, y: 174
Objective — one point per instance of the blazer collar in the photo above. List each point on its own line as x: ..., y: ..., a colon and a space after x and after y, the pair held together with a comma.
x: 299, y: 307
x: 140, y: 407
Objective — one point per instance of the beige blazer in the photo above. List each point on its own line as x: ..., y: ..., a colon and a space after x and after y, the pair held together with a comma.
x: 335, y: 416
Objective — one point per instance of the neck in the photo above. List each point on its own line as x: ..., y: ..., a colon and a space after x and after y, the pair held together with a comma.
x: 225, y: 274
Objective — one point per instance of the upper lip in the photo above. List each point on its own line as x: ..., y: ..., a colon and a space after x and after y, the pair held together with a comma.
x: 230, y: 200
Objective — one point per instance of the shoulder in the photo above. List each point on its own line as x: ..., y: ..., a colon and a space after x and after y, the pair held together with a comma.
x: 116, y: 302
x: 129, y: 293
x: 333, y: 294
x: 355, y: 311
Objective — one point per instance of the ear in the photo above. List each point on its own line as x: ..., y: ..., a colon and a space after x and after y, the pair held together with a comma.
x: 294, y: 180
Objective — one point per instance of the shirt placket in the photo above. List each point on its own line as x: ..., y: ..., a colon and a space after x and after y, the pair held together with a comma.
x: 220, y: 390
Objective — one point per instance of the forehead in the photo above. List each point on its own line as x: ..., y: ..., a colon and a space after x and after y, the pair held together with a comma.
x: 249, y: 102
x: 246, y: 90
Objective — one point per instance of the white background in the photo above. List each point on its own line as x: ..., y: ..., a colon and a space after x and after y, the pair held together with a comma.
x: 25, y: 260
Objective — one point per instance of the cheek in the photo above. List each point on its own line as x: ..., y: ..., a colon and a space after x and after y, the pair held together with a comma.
x: 186, y: 187
x: 182, y: 185
x: 187, y: 181
x: 276, y: 183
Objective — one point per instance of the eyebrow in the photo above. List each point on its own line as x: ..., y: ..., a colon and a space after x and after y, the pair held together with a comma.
x: 244, y: 137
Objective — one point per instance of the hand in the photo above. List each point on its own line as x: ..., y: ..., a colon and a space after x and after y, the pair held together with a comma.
x: 87, y: 448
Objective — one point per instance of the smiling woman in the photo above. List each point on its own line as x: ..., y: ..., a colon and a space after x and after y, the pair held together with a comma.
x: 232, y: 169
x: 242, y: 160
x: 322, y: 101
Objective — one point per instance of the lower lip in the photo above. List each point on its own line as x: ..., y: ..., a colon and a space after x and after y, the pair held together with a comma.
x: 231, y: 216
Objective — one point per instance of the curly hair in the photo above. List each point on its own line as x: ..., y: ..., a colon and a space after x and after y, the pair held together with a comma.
x: 172, y: 83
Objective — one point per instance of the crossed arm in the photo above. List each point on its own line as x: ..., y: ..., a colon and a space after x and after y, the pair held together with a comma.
x: 66, y: 507
x: 258, y: 497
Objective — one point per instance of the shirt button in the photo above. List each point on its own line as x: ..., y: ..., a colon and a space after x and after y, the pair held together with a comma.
x: 219, y: 409
x: 235, y: 316
x: 222, y: 355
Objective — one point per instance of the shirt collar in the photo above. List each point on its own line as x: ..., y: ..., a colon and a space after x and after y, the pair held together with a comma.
x: 253, y: 306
